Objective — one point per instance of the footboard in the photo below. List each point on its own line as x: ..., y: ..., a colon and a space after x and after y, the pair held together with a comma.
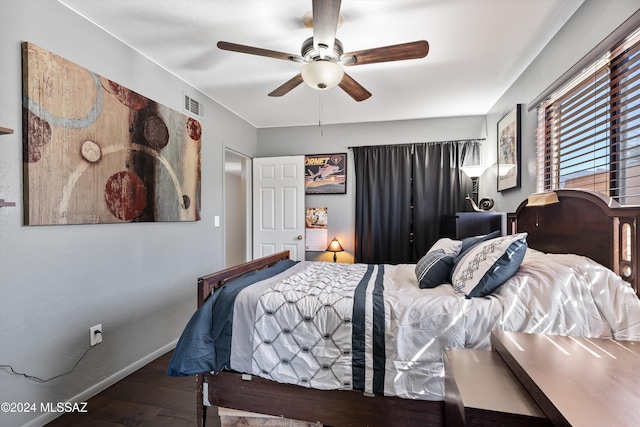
x: 206, y: 286
x: 336, y: 408
x: 209, y: 283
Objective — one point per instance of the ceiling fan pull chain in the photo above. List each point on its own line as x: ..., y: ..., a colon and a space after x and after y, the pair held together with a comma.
x: 320, y: 112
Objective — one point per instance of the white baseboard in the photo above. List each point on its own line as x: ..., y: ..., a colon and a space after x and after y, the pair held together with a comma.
x: 104, y: 384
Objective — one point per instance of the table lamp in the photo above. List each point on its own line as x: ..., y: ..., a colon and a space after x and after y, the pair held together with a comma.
x: 335, y: 247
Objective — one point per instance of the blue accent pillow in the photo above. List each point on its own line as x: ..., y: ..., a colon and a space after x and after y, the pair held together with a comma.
x: 434, y: 268
x: 484, y: 267
x: 469, y: 242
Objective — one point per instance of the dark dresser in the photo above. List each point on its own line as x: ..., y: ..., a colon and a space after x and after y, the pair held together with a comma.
x: 467, y: 224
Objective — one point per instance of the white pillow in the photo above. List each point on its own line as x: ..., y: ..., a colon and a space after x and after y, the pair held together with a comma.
x: 483, y: 268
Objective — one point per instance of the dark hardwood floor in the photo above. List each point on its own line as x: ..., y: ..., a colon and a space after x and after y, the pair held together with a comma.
x: 146, y: 398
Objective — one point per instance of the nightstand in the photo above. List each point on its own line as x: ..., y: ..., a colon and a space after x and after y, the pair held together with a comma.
x: 467, y: 224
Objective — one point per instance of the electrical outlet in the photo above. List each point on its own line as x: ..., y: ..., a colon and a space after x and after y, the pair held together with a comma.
x: 95, y: 335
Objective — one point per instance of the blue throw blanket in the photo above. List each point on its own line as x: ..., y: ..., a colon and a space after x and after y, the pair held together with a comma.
x: 205, y: 343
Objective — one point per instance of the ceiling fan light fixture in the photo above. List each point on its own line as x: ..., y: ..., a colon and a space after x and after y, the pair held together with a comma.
x: 322, y: 75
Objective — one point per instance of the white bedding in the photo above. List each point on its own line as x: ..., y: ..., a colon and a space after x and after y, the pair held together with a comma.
x: 296, y: 327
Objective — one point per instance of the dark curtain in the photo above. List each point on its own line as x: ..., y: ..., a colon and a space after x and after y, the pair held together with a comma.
x: 383, y: 216
x: 402, y: 192
x: 439, y: 188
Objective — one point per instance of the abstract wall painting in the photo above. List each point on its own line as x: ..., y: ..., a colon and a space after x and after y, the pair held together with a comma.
x: 95, y: 152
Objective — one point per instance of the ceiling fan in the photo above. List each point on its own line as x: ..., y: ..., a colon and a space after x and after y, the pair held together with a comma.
x: 323, y: 54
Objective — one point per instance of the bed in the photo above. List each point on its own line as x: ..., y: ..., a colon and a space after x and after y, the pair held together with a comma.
x: 364, y: 346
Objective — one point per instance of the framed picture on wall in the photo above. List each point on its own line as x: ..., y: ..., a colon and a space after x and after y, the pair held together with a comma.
x: 325, y: 173
x: 509, y: 150
x: 97, y: 152
x: 316, y: 228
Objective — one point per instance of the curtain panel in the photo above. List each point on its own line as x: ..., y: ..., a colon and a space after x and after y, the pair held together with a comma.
x: 383, y: 216
x: 402, y: 192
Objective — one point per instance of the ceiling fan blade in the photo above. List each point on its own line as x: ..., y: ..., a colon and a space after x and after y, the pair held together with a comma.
x: 288, y: 86
x: 234, y: 47
x: 398, y: 52
x: 353, y: 88
x: 325, y: 23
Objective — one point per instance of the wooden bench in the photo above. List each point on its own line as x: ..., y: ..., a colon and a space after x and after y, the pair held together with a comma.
x: 576, y: 381
x: 480, y: 390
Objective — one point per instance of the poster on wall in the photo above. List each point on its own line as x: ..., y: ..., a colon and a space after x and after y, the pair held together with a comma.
x: 326, y: 174
x: 316, y: 229
x: 97, y: 152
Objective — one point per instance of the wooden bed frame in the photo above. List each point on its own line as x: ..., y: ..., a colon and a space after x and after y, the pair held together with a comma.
x: 583, y: 223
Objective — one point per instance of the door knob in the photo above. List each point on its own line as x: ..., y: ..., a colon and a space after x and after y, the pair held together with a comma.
x: 299, y: 236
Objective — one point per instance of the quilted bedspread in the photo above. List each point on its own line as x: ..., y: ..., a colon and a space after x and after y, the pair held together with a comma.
x: 372, y: 328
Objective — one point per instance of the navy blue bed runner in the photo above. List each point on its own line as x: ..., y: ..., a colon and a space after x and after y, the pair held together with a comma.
x: 359, y: 331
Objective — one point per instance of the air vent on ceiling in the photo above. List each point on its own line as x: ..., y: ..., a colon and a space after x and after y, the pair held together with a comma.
x: 192, y: 105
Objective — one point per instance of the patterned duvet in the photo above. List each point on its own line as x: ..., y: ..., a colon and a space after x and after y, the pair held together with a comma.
x: 372, y: 328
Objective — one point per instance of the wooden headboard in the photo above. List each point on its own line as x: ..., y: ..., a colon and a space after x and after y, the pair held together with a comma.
x: 584, y: 223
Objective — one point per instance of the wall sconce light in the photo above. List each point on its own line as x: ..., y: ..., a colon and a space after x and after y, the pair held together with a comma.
x: 538, y: 200
x: 335, y: 247
x: 542, y: 199
x: 475, y: 172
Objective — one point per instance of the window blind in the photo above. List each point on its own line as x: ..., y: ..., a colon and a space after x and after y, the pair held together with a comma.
x: 588, y: 133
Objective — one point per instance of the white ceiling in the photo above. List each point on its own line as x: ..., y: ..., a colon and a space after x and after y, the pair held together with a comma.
x: 477, y: 50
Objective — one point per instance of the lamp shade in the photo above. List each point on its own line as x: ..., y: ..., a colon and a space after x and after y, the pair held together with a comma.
x: 474, y: 171
x: 322, y: 75
x: 335, y: 246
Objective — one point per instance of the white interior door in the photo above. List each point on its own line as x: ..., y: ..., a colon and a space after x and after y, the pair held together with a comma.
x: 278, y: 206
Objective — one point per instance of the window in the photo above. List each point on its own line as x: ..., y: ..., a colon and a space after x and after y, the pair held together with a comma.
x: 588, y: 133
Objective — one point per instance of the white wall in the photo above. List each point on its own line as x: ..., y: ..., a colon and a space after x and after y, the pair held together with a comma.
x: 137, y: 280
x: 591, y: 24
x: 329, y: 139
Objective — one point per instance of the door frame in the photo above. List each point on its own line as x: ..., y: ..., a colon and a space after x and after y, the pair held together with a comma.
x: 246, y: 173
